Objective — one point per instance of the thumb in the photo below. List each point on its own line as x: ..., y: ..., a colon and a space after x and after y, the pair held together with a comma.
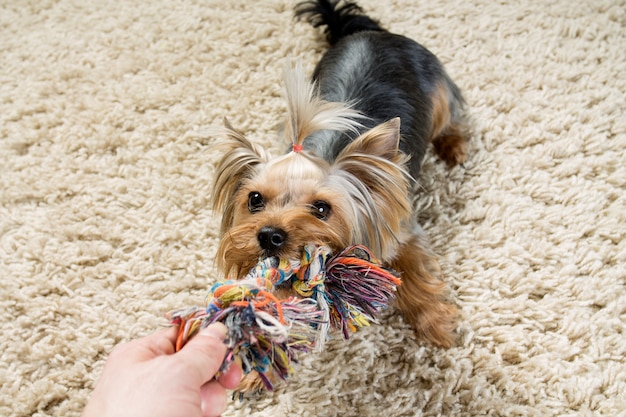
x: 205, y: 352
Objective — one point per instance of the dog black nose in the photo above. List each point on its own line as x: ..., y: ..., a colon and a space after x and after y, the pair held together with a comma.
x: 271, y: 238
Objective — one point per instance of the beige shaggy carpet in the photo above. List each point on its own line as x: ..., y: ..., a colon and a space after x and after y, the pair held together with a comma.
x: 105, y: 184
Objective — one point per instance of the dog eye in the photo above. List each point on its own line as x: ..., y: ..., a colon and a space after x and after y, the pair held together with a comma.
x: 255, y: 202
x: 321, y: 210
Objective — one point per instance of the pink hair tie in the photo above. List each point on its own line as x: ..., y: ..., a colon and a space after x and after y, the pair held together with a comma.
x: 297, y: 148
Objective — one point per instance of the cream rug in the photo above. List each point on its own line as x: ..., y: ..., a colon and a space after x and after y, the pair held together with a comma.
x: 105, y: 183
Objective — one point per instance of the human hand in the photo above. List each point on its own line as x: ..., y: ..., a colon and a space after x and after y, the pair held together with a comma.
x: 145, y: 377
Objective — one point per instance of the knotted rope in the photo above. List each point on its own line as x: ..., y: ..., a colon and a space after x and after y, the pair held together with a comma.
x: 345, y: 291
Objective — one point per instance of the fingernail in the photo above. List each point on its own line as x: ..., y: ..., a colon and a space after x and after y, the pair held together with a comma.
x: 216, y: 330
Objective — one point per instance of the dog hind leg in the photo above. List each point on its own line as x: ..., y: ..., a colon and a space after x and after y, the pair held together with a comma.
x: 449, y: 127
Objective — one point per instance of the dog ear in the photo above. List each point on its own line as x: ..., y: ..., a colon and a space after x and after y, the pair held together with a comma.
x: 381, y: 141
x: 375, y: 170
x: 375, y: 152
x: 240, y: 160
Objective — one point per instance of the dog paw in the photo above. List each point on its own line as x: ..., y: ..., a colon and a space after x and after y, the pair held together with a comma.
x: 452, y: 149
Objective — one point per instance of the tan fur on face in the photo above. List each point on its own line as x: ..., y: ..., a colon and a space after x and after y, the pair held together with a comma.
x: 289, y: 185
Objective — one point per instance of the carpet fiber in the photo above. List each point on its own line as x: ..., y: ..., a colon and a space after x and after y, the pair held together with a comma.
x: 105, y: 184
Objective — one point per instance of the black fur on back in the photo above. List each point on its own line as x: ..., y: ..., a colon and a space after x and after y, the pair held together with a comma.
x: 340, y: 20
x: 381, y: 74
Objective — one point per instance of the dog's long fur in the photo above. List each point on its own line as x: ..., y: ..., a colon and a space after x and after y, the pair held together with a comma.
x: 360, y: 131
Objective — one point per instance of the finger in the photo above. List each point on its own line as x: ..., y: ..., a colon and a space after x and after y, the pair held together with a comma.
x: 205, y: 353
x: 147, y: 347
x: 213, y: 399
x: 165, y: 340
x: 160, y: 342
x: 232, y: 377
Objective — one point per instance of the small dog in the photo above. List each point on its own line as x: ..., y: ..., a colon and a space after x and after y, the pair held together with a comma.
x: 359, y: 134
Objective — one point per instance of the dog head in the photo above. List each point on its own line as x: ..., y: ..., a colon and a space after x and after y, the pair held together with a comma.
x: 275, y: 206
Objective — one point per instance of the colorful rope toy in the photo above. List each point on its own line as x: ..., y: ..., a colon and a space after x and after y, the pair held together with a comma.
x: 345, y: 291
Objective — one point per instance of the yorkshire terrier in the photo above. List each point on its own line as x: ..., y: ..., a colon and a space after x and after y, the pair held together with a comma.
x: 359, y: 131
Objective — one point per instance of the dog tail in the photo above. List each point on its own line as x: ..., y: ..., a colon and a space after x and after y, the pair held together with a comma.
x: 340, y: 18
